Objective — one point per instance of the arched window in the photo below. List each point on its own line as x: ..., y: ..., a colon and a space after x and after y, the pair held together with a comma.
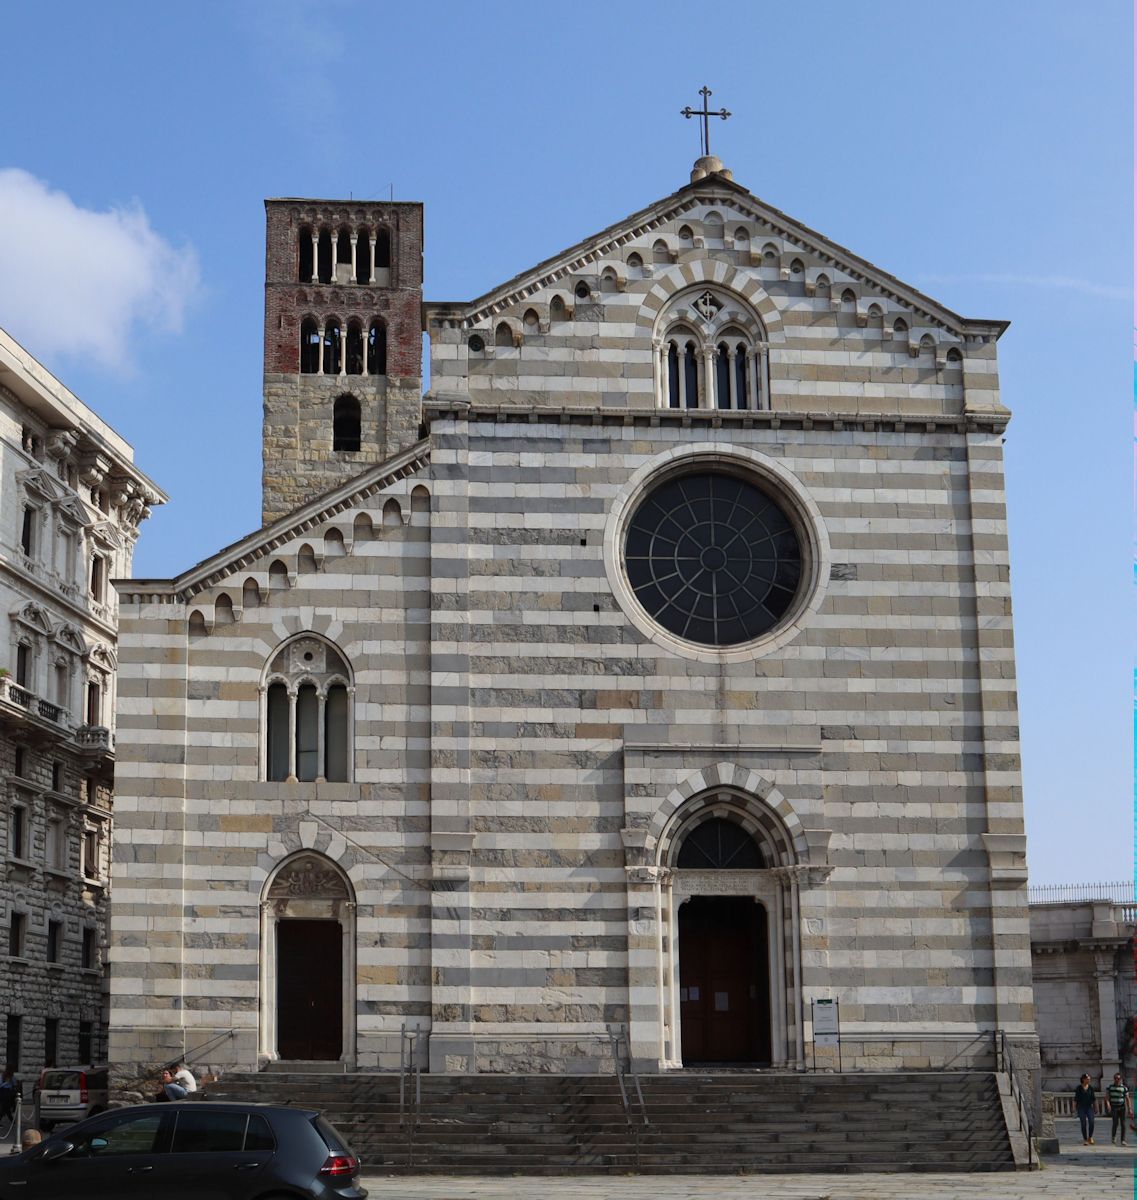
x: 346, y: 424
x: 307, y: 713
x: 343, y: 256
x: 720, y: 845
x: 722, y: 375
x: 363, y: 257
x: 608, y: 281
x: 503, y: 335
x: 557, y: 310
x: 660, y: 252
x: 711, y: 353
x: 304, y: 265
x: 332, y: 347
x: 377, y: 349
x: 324, y: 256
x: 382, y: 249
x: 354, y: 348
x: 309, y: 347
x: 635, y: 266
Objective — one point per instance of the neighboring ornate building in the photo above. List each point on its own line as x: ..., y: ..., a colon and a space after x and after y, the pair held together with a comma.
x: 71, y: 501
x: 1082, y: 942
x: 654, y: 668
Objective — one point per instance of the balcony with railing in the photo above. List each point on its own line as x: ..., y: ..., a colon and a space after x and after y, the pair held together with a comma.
x: 19, y: 705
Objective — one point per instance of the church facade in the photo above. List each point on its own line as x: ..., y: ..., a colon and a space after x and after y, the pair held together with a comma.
x: 652, y: 670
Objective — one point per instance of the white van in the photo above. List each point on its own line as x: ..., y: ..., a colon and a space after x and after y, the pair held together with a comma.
x: 69, y: 1094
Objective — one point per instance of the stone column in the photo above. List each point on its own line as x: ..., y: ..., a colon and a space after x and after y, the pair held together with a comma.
x: 343, y: 349
x: 354, y: 241
x: 323, y: 346
x: 1105, y: 977
x: 350, y: 722
x: 732, y: 374
x: 710, y: 379
x: 321, y: 702
x: 291, y: 776
x: 681, y: 360
x: 315, y: 257
x: 372, y: 279
x: 757, y: 366
x: 660, y: 374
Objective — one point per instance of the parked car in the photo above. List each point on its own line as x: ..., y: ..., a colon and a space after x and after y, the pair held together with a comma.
x: 186, y: 1151
x: 65, y: 1095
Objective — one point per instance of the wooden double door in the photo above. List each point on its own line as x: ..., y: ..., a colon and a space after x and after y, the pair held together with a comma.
x: 309, y: 990
x: 724, y: 984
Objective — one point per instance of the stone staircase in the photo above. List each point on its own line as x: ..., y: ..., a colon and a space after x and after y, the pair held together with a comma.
x: 707, y: 1123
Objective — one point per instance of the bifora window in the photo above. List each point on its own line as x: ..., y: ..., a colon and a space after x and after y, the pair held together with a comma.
x: 713, y: 558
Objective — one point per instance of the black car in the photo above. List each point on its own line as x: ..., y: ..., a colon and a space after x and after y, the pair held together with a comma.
x: 189, y: 1151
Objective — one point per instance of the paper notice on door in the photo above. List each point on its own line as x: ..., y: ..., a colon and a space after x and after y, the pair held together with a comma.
x: 692, y: 993
x: 722, y: 1001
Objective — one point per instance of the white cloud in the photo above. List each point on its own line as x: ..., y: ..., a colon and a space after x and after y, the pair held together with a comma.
x: 79, y: 283
x: 1050, y: 283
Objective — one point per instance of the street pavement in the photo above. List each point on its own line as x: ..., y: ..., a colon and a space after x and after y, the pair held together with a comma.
x: 1102, y: 1171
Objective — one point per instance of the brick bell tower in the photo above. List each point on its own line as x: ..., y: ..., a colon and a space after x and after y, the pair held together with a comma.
x: 343, y: 342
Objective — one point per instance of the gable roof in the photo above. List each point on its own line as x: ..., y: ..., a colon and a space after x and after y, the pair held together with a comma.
x: 264, y: 541
x: 717, y: 187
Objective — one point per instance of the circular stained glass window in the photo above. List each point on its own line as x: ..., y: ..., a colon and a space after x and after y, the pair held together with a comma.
x: 713, y: 558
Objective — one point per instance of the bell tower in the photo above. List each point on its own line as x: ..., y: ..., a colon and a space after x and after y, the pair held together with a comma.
x: 343, y: 342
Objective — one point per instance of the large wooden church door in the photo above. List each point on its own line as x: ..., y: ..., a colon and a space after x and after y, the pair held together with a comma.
x: 309, y: 989
x: 724, y: 990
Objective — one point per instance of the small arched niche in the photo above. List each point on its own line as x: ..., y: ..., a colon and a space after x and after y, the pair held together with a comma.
x: 361, y: 529
x: 392, y: 514
x: 250, y: 594
x: 278, y: 576
x: 223, y: 610
x: 333, y: 544
x: 420, y: 499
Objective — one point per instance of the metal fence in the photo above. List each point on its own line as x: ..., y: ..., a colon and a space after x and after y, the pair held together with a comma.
x: 1121, y: 892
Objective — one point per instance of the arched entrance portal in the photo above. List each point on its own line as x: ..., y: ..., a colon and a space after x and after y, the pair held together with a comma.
x: 308, y: 962
x: 724, y: 981
x: 724, y: 952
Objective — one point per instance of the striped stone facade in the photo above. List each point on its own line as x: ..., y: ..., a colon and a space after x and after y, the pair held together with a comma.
x: 530, y: 750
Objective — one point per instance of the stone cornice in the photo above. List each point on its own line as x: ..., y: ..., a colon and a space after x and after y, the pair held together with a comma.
x: 435, y: 408
x: 243, y: 554
x: 49, y: 596
x: 715, y: 189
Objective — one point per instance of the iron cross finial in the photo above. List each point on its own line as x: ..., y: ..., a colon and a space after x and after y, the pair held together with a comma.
x: 706, y: 114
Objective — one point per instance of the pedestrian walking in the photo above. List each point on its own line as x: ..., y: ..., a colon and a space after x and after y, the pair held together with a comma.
x: 1084, y: 1098
x: 1120, y: 1103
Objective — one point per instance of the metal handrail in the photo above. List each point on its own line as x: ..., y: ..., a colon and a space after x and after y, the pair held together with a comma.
x: 615, y: 1033
x: 410, y: 1073
x: 1005, y: 1063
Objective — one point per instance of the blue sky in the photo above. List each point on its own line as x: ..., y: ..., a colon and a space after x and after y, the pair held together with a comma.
x: 981, y: 152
